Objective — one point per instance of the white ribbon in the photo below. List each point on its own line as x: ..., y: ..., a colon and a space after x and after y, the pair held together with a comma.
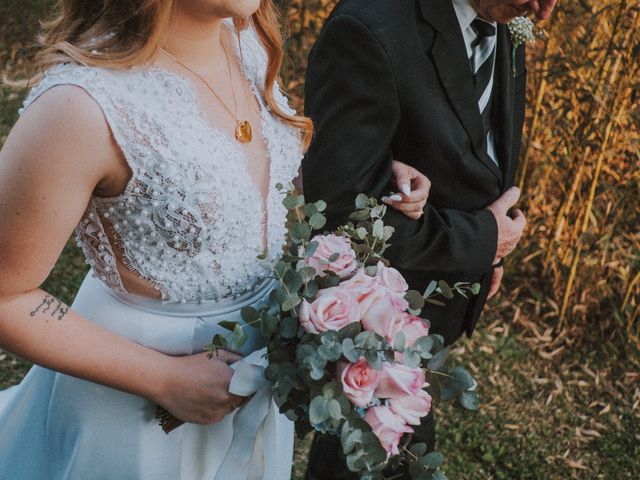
x: 242, y: 461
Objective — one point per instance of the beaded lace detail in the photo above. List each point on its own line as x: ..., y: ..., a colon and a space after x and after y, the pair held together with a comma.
x: 190, y: 220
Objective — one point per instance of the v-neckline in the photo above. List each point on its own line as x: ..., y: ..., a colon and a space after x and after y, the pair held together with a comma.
x: 232, y: 142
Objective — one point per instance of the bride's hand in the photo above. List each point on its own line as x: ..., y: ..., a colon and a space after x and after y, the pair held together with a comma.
x: 413, y: 187
x: 197, y: 389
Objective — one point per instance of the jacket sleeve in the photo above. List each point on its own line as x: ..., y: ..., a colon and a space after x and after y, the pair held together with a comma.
x: 351, y: 95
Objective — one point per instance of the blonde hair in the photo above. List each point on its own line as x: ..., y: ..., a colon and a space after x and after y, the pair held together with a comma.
x: 124, y: 33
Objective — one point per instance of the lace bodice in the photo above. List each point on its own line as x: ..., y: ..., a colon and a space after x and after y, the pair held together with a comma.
x: 190, y: 220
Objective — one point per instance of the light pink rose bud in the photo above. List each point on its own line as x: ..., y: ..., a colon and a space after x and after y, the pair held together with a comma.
x: 384, y: 313
x: 388, y: 427
x: 413, y: 328
x: 333, y: 309
x: 329, y: 245
x: 412, y: 408
x: 398, y: 380
x: 391, y: 278
x: 359, y: 381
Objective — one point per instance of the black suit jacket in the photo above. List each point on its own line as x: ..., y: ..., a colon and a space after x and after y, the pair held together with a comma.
x: 390, y: 79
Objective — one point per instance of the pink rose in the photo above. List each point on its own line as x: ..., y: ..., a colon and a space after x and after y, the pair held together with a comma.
x: 333, y: 309
x: 391, y: 278
x: 329, y: 245
x: 388, y: 427
x: 411, y: 408
x: 398, y: 380
x: 367, y: 289
x: 384, y: 313
x: 359, y: 381
x: 413, y: 328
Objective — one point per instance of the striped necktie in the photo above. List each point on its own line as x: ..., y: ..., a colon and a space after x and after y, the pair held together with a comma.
x: 482, y: 64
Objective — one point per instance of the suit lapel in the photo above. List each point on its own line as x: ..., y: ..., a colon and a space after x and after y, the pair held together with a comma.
x: 503, y: 102
x: 450, y: 59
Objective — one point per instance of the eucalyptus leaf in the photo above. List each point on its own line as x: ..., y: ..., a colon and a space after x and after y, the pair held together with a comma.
x: 359, y: 216
x: 238, y: 337
x: 399, y: 342
x: 321, y: 205
x: 423, y: 344
x: 293, y: 281
x: 372, y: 358
x: 435, y: 302
x: 445, y: 289
x: 430, y: 289
x: 350, y: 330
x: 289, y: 202
x: 334, y: 257
x: 469, y: 400
x: 463, y: 378
x: 433, y: 459
x: 361, y: 233
x: 310, y: 209
x: 311, y: 248
x: 438, y: 360
x: 378, y: 229
x: 349, y: 350
x: 333, y: 407
x: 317, y: 221
x: 311, y: 290
x: 219, y: 341
x: 249, y: 314
x: 411, y: 358
x: 227, y: 325
x: 418, y: 449
x: 318, y: 411
x: 416, y: 301
x: 362, y: 201
x: 300, y: 232
x: 288, y: 327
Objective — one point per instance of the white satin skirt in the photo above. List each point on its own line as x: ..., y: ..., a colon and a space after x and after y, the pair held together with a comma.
x: 57, y: 427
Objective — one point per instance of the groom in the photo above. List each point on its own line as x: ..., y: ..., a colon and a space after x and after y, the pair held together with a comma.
x: 432, y: 83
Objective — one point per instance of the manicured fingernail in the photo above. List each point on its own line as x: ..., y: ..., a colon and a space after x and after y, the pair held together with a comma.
x: 406, y: 189
x: 395, y: 197
x: 385, y: 199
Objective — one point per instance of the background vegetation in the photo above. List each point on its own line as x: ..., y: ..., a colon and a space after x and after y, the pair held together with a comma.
x: 558, y: 349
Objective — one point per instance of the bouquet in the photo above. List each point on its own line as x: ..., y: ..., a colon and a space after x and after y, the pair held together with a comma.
x: 349, y: 354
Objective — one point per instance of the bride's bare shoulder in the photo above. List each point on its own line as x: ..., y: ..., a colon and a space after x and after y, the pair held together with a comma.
x: 64, y: 128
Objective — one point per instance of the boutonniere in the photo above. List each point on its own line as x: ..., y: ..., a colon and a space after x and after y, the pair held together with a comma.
x: 522, y: 30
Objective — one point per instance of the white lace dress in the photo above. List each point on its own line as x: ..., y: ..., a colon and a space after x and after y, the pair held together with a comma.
x: 190, y: 222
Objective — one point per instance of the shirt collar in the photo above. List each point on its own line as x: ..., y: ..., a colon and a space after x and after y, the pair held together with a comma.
x: 465, y: 12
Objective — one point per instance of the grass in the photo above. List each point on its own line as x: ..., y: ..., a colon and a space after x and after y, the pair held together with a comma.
x: 556, y: 403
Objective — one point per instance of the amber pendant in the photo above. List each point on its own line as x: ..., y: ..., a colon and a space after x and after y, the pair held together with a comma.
x: 244, y: 133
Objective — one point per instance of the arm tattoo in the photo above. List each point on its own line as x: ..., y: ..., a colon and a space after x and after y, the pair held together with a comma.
x: 60, y: 309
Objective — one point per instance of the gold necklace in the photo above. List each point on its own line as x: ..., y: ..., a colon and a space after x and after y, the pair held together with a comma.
x: 243, y: 130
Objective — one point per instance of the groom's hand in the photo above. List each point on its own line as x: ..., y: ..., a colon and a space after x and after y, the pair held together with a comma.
x: 511, y: 223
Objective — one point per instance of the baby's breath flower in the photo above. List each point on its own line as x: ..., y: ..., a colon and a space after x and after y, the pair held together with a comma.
x: 522, y: 30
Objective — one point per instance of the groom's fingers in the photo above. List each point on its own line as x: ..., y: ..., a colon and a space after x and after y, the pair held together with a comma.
x: 518, y: 218
x: 496, y: 280
x: 508, y: 199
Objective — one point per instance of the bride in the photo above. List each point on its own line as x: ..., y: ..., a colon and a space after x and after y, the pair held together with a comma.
x: 157, y: 132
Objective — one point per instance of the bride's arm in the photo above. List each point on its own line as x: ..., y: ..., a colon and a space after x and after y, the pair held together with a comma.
x: 56, y: 155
